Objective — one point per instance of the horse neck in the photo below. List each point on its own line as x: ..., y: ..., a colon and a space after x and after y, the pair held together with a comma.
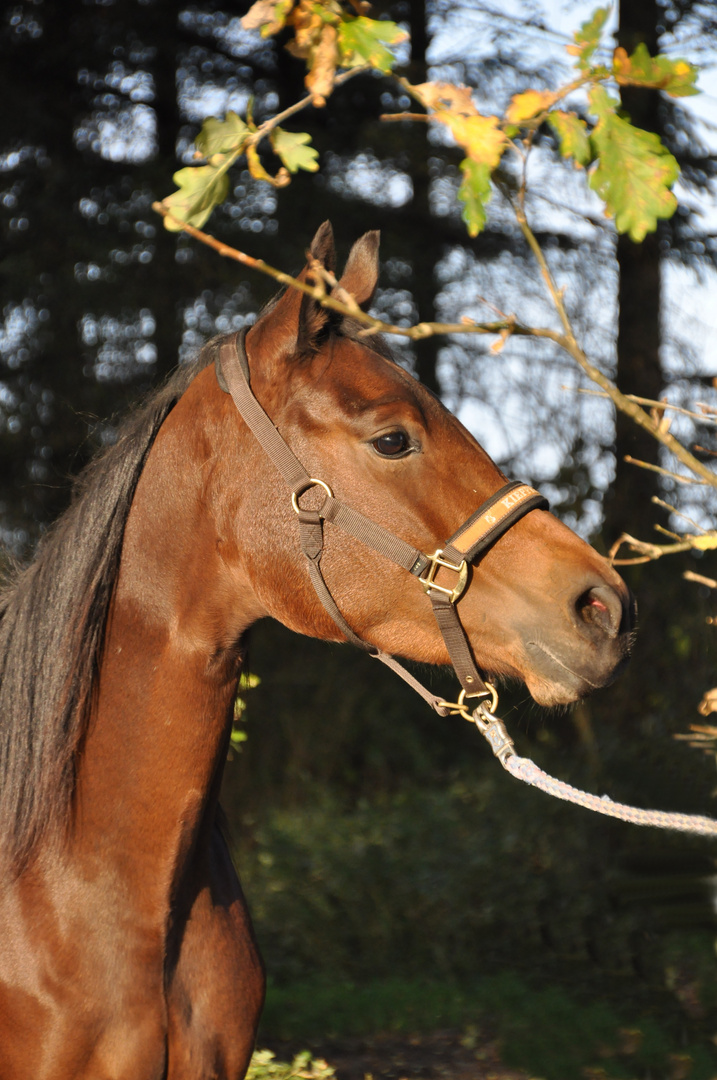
x: 154, y: 752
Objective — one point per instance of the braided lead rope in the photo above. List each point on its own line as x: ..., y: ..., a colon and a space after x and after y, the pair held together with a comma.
x: 493, y: 729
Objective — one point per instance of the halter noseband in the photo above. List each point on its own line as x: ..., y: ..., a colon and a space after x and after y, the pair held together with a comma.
x: 494, y: 517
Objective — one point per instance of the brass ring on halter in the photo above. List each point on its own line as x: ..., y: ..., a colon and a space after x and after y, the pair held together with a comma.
x: 459, y: 708
x: 311, y: 482
x: 493, y: 705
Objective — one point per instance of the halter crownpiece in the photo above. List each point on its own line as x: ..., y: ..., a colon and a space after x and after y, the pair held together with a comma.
x: 494, y: 517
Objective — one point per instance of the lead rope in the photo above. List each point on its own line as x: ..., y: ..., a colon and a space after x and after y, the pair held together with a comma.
x: 494, y: 731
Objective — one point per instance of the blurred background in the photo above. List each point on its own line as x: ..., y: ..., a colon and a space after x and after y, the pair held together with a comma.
x: 398, y: 879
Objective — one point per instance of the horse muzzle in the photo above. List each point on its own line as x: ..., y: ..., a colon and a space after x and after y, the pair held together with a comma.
x: 588, y: 652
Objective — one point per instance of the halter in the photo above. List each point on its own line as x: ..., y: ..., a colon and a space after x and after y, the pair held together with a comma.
x: 481, y: 530
x: 492, y: 518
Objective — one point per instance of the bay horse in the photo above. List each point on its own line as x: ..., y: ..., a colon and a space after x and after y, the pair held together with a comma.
x: 126, y: 949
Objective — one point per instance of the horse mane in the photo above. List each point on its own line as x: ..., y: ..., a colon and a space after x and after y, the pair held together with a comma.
x: 53, y: 615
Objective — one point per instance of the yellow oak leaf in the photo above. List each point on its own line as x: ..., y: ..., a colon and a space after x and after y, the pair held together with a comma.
x: 527, y: 105
x: 480, y: 136
x: 446, y: 96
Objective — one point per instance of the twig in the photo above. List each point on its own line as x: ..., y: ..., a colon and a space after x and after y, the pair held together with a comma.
x: 678, y: 513
x: 650, y: 552
x: 621, y: 401
x: 371, y: 324
x: 404, y: 116
x: 663, y: 472
x: 667, y: 532
x: 268, y: 125
x: 700, y: 579
x: 566, y: 340
x: 648, y: 401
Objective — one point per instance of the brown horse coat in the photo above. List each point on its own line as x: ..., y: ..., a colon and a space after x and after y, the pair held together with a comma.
x: 126, y: 950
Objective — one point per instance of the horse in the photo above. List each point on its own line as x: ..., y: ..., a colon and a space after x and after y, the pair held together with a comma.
x: 127, y: 951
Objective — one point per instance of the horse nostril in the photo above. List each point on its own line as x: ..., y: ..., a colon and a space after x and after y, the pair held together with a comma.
x: 601, y: 607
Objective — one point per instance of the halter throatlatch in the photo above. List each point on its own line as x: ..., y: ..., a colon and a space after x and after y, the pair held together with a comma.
x: 476, y: 535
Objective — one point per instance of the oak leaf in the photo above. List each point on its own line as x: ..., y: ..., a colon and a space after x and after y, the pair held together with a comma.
x: 307, y: 23
x: 363, y: 41
x: 200, y: 189
x: 221, y: 136
x: 292, y: 148
x: 480, y: 136
x: 634, y: 171
x: 587, y: 38
x: 269, y: 16
x: 323, y: 60
x: 474, y: 193
x: 572, y: 135
x: 527, y: 105
x: 438, y: 95
x: 676, y: 77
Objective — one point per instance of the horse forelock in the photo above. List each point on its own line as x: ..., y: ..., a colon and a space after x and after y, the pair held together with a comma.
x: 53, y: 615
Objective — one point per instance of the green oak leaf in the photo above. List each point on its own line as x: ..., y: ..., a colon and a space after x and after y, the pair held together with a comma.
x: 221, y: 136
x: 203, y: 187
x: 587, y: 38
x: 200, y: 190
x: 676, y: 77
x: 291, y: 147
x: 572, y: 135
x: 634, y: 170
x: 363, y: 41
x: 474, y: 193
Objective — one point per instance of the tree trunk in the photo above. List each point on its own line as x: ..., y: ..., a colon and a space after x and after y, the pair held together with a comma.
x: 424, y: 255
x: 627, y: 506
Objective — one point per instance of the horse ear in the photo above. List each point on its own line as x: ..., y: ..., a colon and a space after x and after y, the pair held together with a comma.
x: 292, y: 324
x: 312, y: 316
x: 361, y: 273
x: 322, y: 246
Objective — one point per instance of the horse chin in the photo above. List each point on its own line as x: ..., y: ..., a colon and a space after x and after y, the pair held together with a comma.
x: 553, y: 682
x: 551, y: 694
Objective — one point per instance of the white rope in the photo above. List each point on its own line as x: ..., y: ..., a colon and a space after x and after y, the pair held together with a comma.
x: 526, y: 770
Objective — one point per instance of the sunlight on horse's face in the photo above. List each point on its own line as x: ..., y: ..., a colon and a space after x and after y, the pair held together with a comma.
x: 542, y: 606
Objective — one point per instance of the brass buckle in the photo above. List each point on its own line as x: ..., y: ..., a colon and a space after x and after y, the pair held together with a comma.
x: 311, y: 482
x: 432, y: 569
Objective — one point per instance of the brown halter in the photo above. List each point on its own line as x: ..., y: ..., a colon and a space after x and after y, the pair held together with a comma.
x: 494, y: 517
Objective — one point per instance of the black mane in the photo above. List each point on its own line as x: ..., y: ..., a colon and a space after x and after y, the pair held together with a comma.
x: 52, y: 623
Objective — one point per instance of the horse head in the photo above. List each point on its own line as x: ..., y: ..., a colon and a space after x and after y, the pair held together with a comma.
x: 541, y: 605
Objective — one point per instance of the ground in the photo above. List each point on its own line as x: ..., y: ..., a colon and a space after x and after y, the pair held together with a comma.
x: 442, y: 1055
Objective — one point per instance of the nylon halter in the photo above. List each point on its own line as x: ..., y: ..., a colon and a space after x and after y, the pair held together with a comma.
x: 481, y: 530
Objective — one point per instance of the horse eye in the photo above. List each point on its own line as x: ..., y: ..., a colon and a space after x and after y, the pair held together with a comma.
x: 392, y: 444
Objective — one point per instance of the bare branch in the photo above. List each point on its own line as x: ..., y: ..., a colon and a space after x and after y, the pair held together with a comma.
x: 700, y: 579
x: 655, y: 404
x: 677, y: 477
x: 350, y: 307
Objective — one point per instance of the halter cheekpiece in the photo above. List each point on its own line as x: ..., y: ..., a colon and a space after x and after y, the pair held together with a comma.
x: 481, y: 530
